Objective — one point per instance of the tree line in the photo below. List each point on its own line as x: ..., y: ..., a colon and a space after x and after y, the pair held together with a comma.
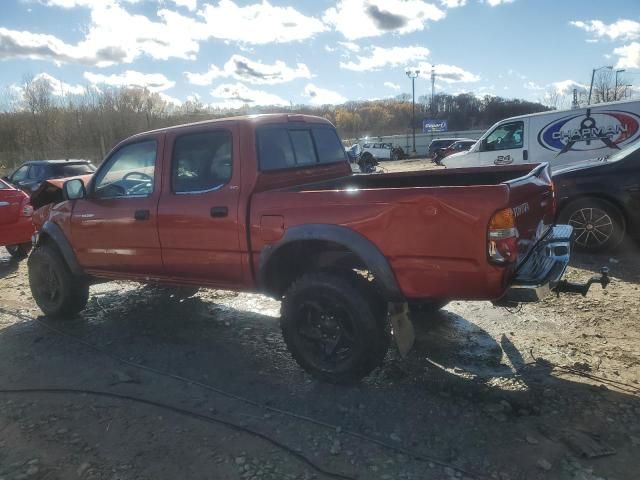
x: 37, y: 123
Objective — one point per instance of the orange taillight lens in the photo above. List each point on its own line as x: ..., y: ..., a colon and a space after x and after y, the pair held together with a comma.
x: 502, y: 237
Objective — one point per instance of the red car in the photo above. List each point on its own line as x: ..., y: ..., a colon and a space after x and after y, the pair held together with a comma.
x: 268, y: 203
x: 16, y: 227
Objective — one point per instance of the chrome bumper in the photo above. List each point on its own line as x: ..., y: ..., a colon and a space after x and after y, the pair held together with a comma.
x: 542, y: 271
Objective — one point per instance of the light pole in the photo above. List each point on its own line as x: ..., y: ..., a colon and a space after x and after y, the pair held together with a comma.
x: 413, y: 73
x: 615, y: 90
x: 593, y: 74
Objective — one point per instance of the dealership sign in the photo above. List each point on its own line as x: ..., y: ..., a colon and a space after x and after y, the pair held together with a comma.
x: 434, y: 126
x: 593, y: 131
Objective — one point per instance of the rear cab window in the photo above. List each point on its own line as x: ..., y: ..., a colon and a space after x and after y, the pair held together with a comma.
x: 294, y: 146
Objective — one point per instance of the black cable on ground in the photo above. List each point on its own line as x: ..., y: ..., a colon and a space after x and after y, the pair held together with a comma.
x: 389, y: 446
x: 184, y: 412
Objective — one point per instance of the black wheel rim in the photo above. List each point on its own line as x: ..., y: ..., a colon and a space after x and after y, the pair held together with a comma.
x: 326, y: 332
x: 593, y: 227
x: 46, y: 284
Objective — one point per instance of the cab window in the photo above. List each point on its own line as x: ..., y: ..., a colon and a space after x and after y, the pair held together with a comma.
x: 505, y: 137
x: 201, y: 162
x: 129, y: 172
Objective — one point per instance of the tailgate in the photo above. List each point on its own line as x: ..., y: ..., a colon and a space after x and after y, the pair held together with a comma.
x: 531, y: 198
x: 11, y: 201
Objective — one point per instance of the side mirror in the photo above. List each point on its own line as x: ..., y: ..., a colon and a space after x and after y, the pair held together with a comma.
x: 74, y: 189
x: 483, y: 145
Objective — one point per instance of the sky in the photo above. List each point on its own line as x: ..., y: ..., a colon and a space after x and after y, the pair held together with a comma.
x: 227, y: 53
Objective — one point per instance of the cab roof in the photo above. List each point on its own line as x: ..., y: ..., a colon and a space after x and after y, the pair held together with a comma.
x: 258, y: 119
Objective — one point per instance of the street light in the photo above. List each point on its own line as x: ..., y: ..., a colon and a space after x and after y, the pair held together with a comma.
x: 615, y: 90
x: 413, y: 73
x: 593, y: 74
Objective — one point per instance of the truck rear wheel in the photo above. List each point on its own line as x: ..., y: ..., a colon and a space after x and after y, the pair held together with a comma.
x: 333, y: 328
x: 55, y: 289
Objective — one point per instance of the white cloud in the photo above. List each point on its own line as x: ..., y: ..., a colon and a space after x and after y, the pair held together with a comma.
x: 622, y: 29
x: 629, y: 56
x: 58, y: 87
x: 380, y: 57
x: 392, y: 86
x: 170, y: 100
x: 116, y: 36
x: 259, y: 23
x: 243, y: 69
x: 190, y: 5
x: 22, y: 44
x: 322, y: 96
x: 238, y: 95
x: 453, y: 3
x: 449, y: 73
x: 495, y: 3
x: 565, y: 87
x: 155, y: 82
x: 351, y: 46
x: 533, y: 86
x: 371, y: 18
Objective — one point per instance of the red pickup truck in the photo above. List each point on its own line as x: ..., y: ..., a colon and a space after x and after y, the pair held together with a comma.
x: 268, y: 203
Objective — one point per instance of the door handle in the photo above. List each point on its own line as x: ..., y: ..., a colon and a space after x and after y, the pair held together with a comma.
x: 219, y: 212
x: 142, y: 215
x: 525, y: 155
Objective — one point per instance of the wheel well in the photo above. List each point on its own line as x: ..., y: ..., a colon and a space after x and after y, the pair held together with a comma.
x: 597, y: 196
x: 297, y: 258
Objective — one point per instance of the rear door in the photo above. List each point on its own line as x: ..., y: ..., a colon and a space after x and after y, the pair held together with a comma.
x: 115, y: 228
x: 531, y: 199
x: 198, y: 218
x: 507, y: 143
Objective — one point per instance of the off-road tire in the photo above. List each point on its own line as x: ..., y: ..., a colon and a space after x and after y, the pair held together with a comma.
x: 19, y: 251
x: 571, y: 215
x: 369, y: 330
x: 54, y: 288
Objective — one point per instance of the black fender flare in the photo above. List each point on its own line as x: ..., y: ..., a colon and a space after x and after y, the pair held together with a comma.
x: 357, y: 243
x: 55, y: 234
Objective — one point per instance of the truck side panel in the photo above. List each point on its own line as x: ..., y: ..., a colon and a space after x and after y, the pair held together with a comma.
x: 434, y: 238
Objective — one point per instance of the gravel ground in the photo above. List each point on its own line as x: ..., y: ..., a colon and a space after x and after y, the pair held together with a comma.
x: 549, y: 391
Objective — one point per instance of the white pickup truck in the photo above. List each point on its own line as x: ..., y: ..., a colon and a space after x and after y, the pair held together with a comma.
x: 382, y: 151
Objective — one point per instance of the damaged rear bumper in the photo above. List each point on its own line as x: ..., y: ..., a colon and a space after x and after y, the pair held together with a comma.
x: 541, y: 274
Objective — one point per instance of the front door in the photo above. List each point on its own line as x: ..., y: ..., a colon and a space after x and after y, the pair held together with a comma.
x: 505, y: 145
x: 198, y: 216
x: 115, y: 228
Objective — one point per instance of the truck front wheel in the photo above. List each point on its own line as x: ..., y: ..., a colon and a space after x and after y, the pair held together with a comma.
x: 55, y: 289
x: 334, y: 327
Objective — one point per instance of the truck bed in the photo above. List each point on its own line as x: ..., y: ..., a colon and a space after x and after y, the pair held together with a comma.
x: 431, y: 226
x: 462, y: 177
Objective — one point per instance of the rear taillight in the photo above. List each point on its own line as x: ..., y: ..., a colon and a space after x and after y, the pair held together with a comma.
x: 502, y: 237
x: 26, y: 210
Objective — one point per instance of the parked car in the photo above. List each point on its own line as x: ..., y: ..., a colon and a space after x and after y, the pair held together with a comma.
x: 30, y: 175
x: 268, y: 203
x: 438, y: 144
x: 382, y: 151
x: 16, y: 227
x: 458, y: 146
x: 559, y: 137
x: 360, y: 164
x: 600, y: 198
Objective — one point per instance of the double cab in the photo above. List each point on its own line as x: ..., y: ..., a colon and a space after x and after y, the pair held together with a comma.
x: 269, y: 204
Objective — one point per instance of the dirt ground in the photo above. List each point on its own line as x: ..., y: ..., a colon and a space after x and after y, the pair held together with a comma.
x: 142, y: 386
